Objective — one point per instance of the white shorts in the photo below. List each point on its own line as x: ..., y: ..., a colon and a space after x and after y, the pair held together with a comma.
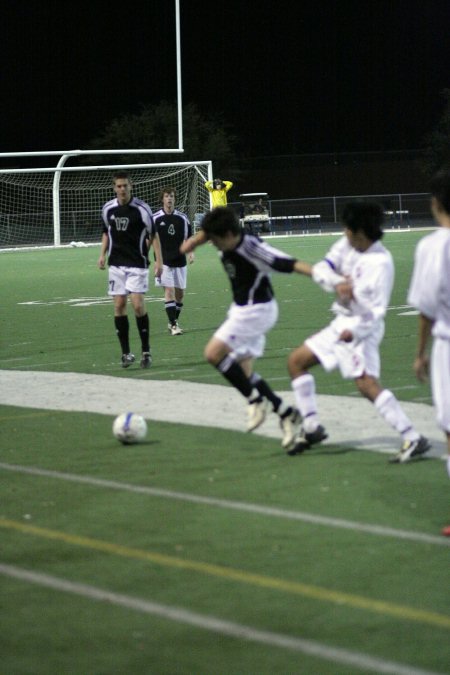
x: 245, y: 328
x: 352, y: 359
x: 172, y: 277
x: 125, y: 280
x: 440, y: 378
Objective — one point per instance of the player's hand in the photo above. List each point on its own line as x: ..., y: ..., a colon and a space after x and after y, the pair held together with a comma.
x: 344, y: 291
x: 101, y: 262
x: 421, y: 366
x: 158, y: 270
x: 346, y: 335
x: 191, y: 258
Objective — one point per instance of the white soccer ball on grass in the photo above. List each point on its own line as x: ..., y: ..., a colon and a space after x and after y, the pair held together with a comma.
x: 129, y: 428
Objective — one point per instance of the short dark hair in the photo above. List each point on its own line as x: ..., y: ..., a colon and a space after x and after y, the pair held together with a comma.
x: 119, y: 175
x: 167, y: 190
x: 440, y: 188
x: 221, y: 221
x: 367, y: 217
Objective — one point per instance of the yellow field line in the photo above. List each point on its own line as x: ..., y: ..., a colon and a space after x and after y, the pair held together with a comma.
x: 294, y: 587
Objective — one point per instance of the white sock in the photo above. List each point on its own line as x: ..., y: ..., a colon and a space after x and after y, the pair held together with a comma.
x: 391, y: 411
x: 304, y: 388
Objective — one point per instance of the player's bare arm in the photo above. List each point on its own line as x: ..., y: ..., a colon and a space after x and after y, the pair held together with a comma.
x: 190, y: 244
x: 156, y: 244
x: 104, y: 247
x: 421, y: 362
x: 303, y: 268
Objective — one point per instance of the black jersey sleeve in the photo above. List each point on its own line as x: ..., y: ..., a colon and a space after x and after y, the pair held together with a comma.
x: 283, y: 265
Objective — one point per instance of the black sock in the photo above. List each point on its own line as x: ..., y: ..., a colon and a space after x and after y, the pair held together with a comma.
x: 122, y: 332
x: 143, y: 325
x: 264, y: 389
x: 179, y: 308
x: 233, y: 372
x: 171, y: 311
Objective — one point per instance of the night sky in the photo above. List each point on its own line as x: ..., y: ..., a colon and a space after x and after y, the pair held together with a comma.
x: 289, y: 77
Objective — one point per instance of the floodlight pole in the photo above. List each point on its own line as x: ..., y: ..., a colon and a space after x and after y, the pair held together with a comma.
x: 179, y: 93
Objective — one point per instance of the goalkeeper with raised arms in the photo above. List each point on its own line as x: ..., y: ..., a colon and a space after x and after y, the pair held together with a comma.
x: 218, y: 189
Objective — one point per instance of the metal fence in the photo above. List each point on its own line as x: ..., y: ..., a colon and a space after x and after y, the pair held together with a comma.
x: 322, y: 214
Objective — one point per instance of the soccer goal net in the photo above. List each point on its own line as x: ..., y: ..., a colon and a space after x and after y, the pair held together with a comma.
x: 52, y: 207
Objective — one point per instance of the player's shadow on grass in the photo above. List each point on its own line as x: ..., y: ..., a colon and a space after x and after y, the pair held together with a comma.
x: 327, y: 451
x: 333, y: 449
x: 324, y: 451
x: 209, y: 330
x: 141, y: 444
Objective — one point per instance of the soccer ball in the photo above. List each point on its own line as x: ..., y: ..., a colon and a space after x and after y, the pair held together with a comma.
x: 129, y: 428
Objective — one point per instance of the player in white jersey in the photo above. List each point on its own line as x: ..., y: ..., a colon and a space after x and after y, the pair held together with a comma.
x: 429, y: 292
x: 360, y: 269
x: 240, y: 339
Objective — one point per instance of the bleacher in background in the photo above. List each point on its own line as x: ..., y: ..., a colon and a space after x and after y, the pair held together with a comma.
x: 322, y: 214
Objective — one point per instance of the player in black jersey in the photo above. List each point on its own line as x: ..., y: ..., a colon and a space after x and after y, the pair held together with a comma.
x: 128, y: 231
x: 240, y: 340
x: 173, y: 227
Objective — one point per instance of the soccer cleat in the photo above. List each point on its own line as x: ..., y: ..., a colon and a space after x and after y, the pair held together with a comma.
x: 304, y: 440
x: 256, y: 413
x: 446, y: 531
x: 290, y: 423
x: 176, y: 330
x: 411, y: 449
x: 146, y: 360
x: 169, y: 327
x: 127, y: 360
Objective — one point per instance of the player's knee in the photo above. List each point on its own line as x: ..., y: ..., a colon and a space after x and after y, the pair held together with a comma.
x: 210, y: 354
x: 215, y: 351
x: 296, y: 362
x: 120, y: 305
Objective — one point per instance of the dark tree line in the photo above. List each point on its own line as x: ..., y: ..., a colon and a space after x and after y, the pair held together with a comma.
x: 156, y: 126
x: 437, y: 153
x: 210, y: 137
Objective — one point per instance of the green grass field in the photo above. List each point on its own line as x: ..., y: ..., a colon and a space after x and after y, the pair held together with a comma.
x: 205, y: 551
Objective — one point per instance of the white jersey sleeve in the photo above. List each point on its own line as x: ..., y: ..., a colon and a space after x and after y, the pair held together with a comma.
x: 329, y: 271
x: 372, y: 276
x: 429, y: 289
x: 423, y: 289
x: 373, y: 279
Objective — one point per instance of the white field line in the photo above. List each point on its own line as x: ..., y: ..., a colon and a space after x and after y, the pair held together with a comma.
x: 206, y: 405
x: 257, y: 509
x: 214, y: 624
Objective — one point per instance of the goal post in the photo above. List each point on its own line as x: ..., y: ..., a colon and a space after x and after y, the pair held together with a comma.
x: 58, y: 206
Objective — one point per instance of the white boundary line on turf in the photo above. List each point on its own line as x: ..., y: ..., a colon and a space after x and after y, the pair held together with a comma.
x: 379, y: 530
x: 214, y: 624
x: 185, y: 402
x: 278, y: 235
